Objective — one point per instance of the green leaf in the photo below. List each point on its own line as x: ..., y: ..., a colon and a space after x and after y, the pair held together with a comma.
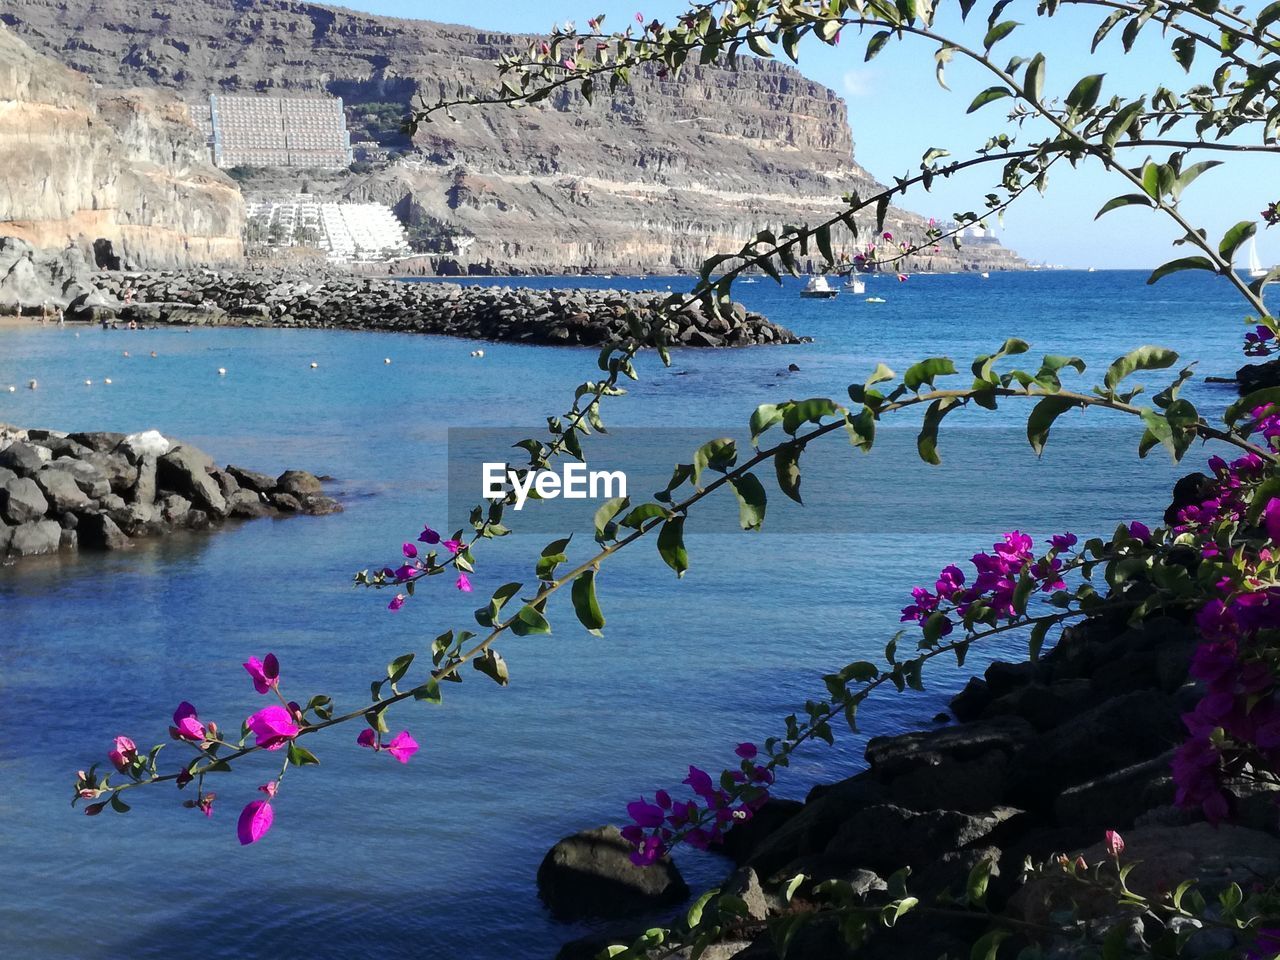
x: 1267, y: 396
x: 1042, y: 419
x: 694, y: 916
x: 759, y: 46
x: 585, y: 604
x: 1269, y: 15
x: 397, y: 668
x: 927, y: 441
x: 1085, y: 93
x: 605, y: 527
x: 979, y: 879
x: 926, y: 371
x: 643, y: 514
x: 823, y: 236
x: 786, y: 463
x: 1184, y: 51
x: 797, y: 414
x: 671, y: 545
x: 1191, y: 174
x: 1033, y: 85
x: 118, y: 805
x: 491, y: 664
x: 719, y: 454
x: 1129, y: 199
x: 529, y: 620
x: 998, y: 33
x: 1143, y: 358
x: 989, y: 944
x: 1183, y: 263
x: 1114, y: 18
x: 764, y: 417
x: 429, y: 692
x: 300, y: 756
x: 1235, y: 237
x: 876, y: 44
x: 861, y: 428
x: 989, y: 95
x: 751, y: 501
x: 1122, y: 121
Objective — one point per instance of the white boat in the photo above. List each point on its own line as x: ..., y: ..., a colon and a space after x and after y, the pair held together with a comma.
x: 875, y: 300
x: 854, y: 285
x: 1256, y: 269
x: 818, y: 289
x: 749, y: 280
x: 985, y: 275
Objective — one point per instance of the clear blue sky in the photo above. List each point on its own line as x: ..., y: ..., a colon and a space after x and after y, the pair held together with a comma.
x: 897, y: 111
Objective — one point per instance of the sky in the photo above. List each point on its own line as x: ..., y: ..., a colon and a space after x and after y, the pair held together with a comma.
x: 897, y: 111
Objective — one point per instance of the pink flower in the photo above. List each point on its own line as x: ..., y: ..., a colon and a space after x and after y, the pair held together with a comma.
x: 888, y: 235
x: 428, y: 536
x: 453, y: 546
x: 265, y: 673
x: 747, y: 751
x: 1271, y: 519
x: 1140, y: 531
x: 367, y: 739
x: 639, y: 18
x: 205, y: 803
x: 402, y: 746
x: 464, y: 583
x: 1114, y: 844
x: 274, y: 726
x: 409, y: 550
x: 123, y: 755
x: 186, y: 725
x: 397, y: 602
x: 269, y: 789
x: 255, y: 821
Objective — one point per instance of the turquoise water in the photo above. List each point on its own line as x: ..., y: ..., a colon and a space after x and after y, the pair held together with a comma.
x: 437, y: 858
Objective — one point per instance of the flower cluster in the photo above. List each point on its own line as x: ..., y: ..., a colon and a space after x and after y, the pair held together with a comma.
x: 1226, y: 499
x: 1259, y: 342
x: 998, y: 575
x: 274, y: 727
x: 415, y: 567
x: 1271, y: 215
x: 702, y: 820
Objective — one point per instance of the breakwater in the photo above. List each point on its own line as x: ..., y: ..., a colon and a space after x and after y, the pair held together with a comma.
x: 558, y: 317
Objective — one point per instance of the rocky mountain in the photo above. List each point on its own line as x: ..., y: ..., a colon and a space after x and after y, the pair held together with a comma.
x: 123, y: 169
x: 659, y: 177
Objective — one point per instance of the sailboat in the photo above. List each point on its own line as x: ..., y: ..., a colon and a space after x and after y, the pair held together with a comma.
x: 1256, y: 269
x: 854, y: 285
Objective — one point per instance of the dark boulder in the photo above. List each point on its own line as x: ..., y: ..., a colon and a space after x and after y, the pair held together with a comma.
x: 61, y: 490
x: 298, y: 483
x: 745, y: 837
x: 320, y: 506
x: 590, y: 874
x: 91, y: 480
x: 22, y: 501
x: 23, y: 459
x: 184, y: 470
x: 286, y: 502
x: 97, y: 531
x: 810, y: 830
x: 886, y: 838
x: 100, y: 441
x: 252, y: 480
x: 247, y: 505
x: 891, y: 756
x: 33, y: 539
x: 1115, y: 801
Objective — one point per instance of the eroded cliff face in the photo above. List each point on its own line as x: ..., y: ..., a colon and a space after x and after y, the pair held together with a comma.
x: 657, y: 178
x: 82, y: 164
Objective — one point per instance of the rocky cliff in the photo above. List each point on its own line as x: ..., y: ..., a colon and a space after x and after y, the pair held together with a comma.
x: 666, y: 173
x: 85, y: 166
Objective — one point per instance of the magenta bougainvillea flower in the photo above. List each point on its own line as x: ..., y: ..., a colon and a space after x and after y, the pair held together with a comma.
x: 125, y: 752
x: 464, y: 583
x: 409, y: 550
x: 265, y: 672
x: 396, y: 602
x: 428, y: 536
x: 274, y: 726
x: 454, y: 546
x: 1114, y: 844
x: 186, y: 725
x: 402, y: 746
x: 255, y: 820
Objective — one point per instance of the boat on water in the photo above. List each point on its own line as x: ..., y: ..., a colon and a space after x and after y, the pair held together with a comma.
x: 854, y: 285
x: 875, y: 300
x: 748, y: 280
x: 818, y: 289
x: 1256, y: 269
x: 985, y: 275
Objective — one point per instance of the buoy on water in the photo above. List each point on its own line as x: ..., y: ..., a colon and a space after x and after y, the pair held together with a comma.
x: 12, y: 388
x: 222, y: 371
x: 88, y: 383
x: 32, y: 384
x: 153, y: 354
x: 387, y: 360
x: 126, y: 353
x: 107, y: 381
x: 314, y: 364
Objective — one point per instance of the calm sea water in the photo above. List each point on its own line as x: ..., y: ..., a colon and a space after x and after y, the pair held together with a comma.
x: 437, y: 858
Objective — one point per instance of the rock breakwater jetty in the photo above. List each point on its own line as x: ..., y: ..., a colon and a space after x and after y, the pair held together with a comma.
x: 570, y: 317
x: 101, y: 491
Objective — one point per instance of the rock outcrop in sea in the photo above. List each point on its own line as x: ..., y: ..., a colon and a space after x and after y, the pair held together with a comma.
x: 668, y: 172
x: 1045, y: 758
x: 101, y: 491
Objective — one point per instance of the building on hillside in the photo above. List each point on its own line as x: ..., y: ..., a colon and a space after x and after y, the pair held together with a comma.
x: 246, y: 131
x: 347, y: 232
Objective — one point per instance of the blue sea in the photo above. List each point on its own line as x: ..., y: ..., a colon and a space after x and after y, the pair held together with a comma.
x: 437, y: 858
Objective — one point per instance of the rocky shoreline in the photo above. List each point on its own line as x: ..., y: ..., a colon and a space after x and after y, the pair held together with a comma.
x: 1044, y: 758
x: 35, y: 282
x: 102, y: 491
